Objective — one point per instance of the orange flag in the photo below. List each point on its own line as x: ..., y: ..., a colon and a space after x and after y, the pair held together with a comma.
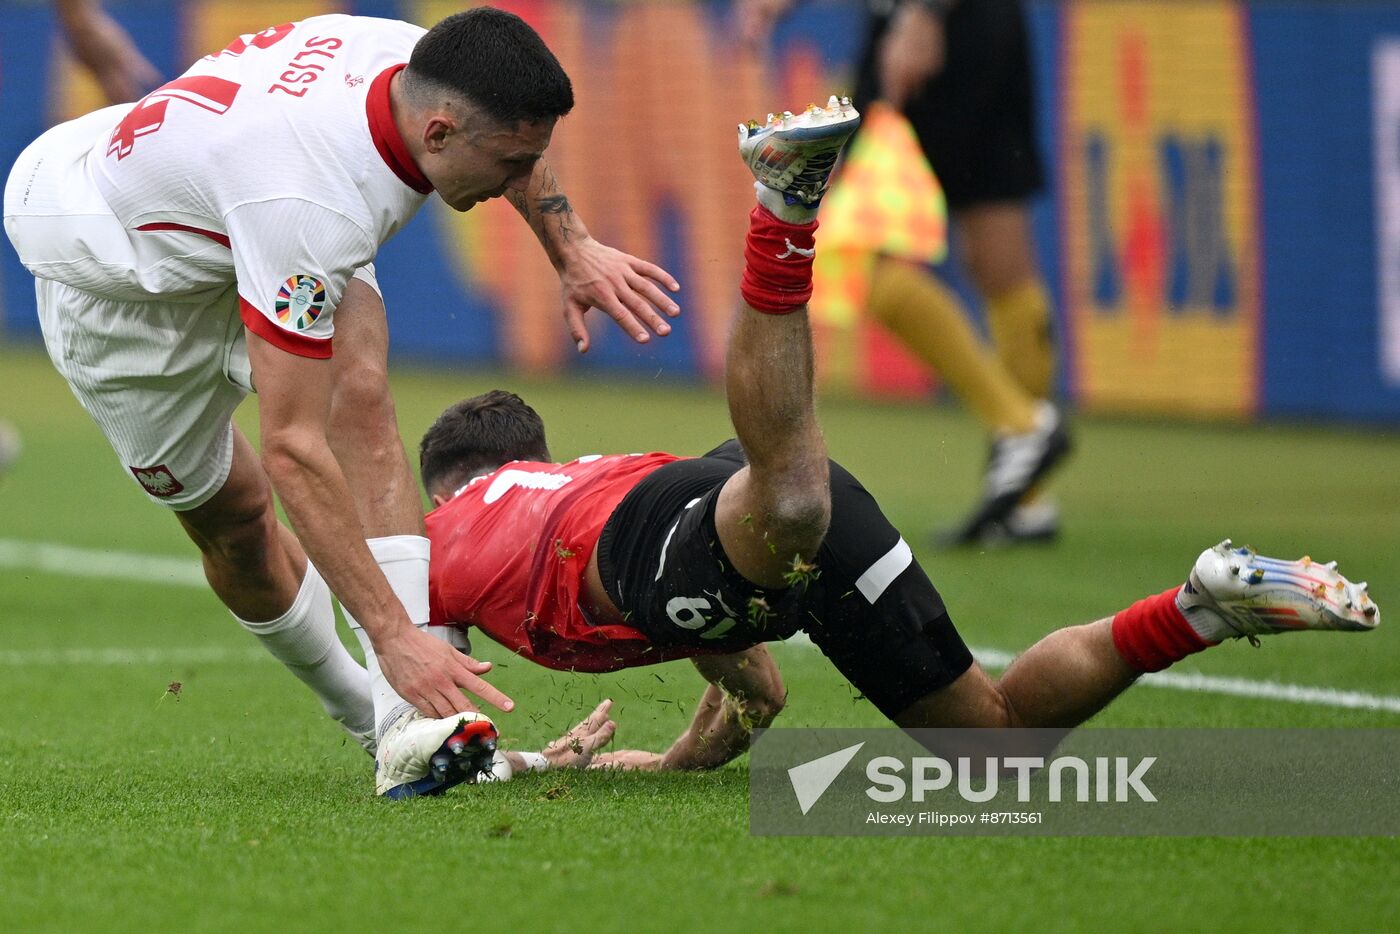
x: 884, y: 201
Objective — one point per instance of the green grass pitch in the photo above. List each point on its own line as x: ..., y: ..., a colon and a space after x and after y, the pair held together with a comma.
x: 236, y: 806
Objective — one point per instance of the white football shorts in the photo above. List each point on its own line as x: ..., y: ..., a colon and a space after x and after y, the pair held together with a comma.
x: 161, y: 379
x: 156, y: 379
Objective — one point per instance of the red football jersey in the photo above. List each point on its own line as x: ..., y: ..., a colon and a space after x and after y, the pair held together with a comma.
x: 510, y: 551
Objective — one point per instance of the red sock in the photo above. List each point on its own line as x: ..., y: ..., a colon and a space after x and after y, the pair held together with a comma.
x: 1152, y: 633
x: 777, y: 263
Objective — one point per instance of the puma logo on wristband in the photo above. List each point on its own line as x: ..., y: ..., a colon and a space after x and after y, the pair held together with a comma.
x: 796, y: 250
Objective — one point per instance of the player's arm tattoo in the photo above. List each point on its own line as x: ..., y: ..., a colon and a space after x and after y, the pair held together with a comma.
x: 521, y: 202
x: 551, y: 200
x: 555, y: 204
x: 547, y: 210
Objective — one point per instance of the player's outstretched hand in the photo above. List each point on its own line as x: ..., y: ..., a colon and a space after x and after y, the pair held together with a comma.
x: 576, y: 748
x: 431, y: 675
x: 627, y: 289
x: 912, y: 52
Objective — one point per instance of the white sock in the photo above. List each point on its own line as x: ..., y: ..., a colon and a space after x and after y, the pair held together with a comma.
x: 798, y: 212
x: 304, y: 639
x: 404, y: 561
x: 1199, y: 609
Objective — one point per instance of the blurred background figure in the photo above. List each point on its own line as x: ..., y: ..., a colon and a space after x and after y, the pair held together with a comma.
x: 107, y: 50
x: 960, y: 72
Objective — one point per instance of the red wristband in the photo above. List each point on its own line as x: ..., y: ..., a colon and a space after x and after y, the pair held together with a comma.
x: 777, y: 263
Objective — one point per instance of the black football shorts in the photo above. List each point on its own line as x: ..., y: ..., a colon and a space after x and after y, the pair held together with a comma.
x: 975, y: 119
x: 869, y: 607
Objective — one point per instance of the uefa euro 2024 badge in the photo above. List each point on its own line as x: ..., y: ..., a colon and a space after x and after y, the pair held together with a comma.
x: 300, y: 300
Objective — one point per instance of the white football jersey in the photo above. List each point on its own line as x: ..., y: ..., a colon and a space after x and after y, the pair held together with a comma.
x: 273, y: 163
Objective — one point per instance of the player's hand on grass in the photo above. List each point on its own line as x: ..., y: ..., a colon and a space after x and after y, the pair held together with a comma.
x: 911, y: 53
x: 629, y: 290
x: 576, y: 748
x: 431, y: 675
x: 628, y: 760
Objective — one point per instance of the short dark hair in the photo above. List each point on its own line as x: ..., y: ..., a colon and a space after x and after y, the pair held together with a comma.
x: 496, y: 61
x: 476, y: 436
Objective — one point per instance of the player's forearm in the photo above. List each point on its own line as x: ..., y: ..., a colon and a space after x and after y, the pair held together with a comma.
x: 89, y: 31
x: 717, y: 735
x: 547, y: 210
x: 77, y: 16
x: 317, y: 499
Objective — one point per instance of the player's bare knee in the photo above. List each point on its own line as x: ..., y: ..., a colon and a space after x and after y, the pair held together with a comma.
x: 809, y: 516
x: 365, y: 384
x: 972, y: 701
x: 1003, y: 710
x: 362, y: 408
x: 795, y: 526
x: 798, y: 512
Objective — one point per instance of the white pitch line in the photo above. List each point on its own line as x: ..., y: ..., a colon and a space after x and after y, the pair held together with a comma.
x: 53, y: 558
x: 997, y: 659
x: 1237, y: 687
x: 50, y: 558
x: 1272, y: 690
x: 118, y: 657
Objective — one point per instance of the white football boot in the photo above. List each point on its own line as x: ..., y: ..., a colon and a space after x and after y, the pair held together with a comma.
x: 1252, y: 595
x: 792, y: 155
x: 422, y: 756
x: 1035, y: 521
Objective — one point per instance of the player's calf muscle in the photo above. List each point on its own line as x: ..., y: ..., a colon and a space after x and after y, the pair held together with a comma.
x: 244, y: 539
x: 237, y: 518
